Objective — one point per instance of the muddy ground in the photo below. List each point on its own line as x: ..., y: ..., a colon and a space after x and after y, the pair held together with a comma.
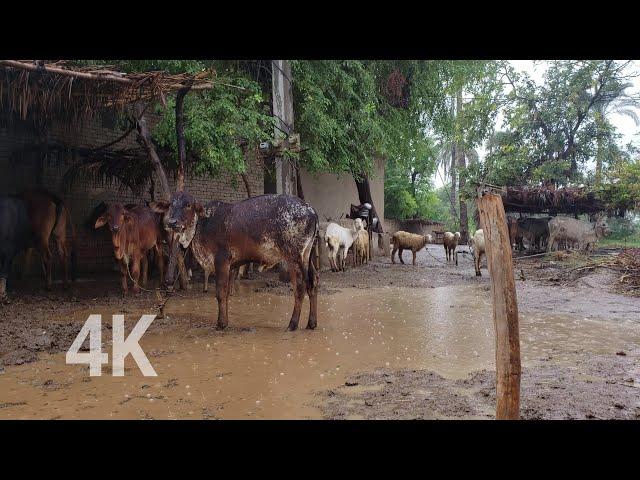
x: 572, y: 332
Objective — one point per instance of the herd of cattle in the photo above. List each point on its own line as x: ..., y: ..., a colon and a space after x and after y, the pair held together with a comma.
x: 224, y: 237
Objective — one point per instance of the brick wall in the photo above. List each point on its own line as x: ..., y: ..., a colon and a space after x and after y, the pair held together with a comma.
x: 19, y: 171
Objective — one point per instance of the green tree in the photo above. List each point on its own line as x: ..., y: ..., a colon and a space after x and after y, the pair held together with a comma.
x: 552, y: 128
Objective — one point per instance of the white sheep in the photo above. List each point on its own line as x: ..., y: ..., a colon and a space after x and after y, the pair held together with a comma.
x: 409, y: 241
x: 450, y: 242
x: 476, y: 244
x: 361, y: 246
x: 339, y: 240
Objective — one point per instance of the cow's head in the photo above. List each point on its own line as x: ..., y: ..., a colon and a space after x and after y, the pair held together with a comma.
x: 118, y: 218
x: 601, y: 227
x: 182, y: 215
x: 457, y: 235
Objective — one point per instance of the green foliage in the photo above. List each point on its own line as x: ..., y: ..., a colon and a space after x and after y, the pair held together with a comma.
x: 622, y: 188
x: 336, y: 115
x: 217, y: 121
x: 552, y: 130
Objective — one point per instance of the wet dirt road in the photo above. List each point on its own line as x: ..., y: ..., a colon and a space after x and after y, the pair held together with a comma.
x: 256, y: 369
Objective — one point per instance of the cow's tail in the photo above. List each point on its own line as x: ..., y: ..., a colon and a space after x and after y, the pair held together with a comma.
x: 314, y: 258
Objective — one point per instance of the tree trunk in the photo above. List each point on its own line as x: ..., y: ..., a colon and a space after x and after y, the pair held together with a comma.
x: 461, y: 163
x: 145, y: 137
x: 364, y: 195
x: 299, y: 181
x: 182, y: 147
x: 243, y: 175
x: 165, y: 193
x: 247, y: 187
x: 453, y: 197
x: 452, y: 173
x: 599, y: 151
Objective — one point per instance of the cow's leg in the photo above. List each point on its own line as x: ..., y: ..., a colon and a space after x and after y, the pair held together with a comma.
x: 124, y: 276
x: 393, y: 254
x: 400, y: 255
x: 183, y: 276
x: 223, y: 269
x: 233, y: 275
x: 160, y: 262
x: 207, y: 272
x: 45, y: 254
x: 298, y: 284
x: 144, y: 268
x: 61, y: 247
x: 311, y: 279
x: 135, y: 274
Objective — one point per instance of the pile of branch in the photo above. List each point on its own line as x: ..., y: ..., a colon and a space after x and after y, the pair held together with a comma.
x: 569, y: 200
x: 43, y: 89
x: 626, y: 265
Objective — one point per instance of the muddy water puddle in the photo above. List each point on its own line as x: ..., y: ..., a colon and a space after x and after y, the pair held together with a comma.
x: 256, y: 369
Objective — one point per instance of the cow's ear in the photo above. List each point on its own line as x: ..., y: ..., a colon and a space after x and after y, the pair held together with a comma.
x: 159, y: 207
x: 101, y: 221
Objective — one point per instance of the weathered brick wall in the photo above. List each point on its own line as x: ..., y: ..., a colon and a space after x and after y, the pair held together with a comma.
x: 19, y: 171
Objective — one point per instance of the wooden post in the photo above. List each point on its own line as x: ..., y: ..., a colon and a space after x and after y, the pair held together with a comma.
x: 282, y: 97
x: 283, y: 113
x: 505, y: 306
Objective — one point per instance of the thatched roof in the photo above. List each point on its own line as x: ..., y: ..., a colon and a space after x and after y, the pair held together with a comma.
x: 41, y: 89
x: 568, y: 200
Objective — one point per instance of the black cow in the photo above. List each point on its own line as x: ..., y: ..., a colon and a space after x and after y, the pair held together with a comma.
x: 536, y: 230
x: 15, y: 235
x: 267, y: 230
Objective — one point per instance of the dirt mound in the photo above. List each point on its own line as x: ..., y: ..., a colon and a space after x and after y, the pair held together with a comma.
x: 600, y: 389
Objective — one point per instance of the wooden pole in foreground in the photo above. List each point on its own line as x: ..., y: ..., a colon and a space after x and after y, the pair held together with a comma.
x: 505, y: 306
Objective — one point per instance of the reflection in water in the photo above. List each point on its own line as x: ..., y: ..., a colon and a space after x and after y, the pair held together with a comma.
x: 256, y: 369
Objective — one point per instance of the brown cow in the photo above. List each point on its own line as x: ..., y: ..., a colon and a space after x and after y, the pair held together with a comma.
x: 266, y: 229
x: 48, y: 216
x: 134, y: 231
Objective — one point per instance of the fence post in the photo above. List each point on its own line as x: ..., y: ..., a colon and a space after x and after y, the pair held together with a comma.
x: 505, y: 306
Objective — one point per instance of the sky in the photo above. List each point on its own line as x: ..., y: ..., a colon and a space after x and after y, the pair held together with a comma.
x: 535, y: 70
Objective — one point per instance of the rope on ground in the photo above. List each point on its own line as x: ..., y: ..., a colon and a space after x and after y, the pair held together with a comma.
x: 444, y: 261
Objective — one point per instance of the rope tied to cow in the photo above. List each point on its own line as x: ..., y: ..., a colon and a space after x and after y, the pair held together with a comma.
x: 169, y: 292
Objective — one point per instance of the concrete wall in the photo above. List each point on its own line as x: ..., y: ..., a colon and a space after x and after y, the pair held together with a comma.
x: 331, y: 194
x: 20, y: 170
x: 392, y: 225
